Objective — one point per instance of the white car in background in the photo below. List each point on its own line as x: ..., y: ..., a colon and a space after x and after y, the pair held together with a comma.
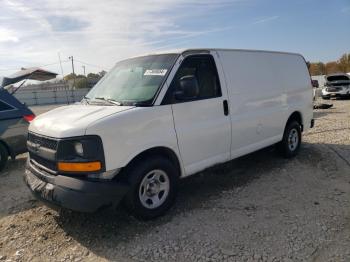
x: 337, y: 86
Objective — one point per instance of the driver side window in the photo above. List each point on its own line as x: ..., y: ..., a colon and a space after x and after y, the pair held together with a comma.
x: 202, y: 68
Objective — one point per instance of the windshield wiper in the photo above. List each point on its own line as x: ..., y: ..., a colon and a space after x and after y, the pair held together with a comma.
x: 86, y: 99
x: 110, y: 100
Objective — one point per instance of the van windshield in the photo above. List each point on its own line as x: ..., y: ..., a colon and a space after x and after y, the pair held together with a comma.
x: 133, y: 81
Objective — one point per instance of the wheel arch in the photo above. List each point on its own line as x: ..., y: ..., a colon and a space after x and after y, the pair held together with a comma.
x: 296, y: 116
x: 157, y: 151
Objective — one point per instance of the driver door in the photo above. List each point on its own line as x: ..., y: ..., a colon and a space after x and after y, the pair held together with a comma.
x: 201, y: 121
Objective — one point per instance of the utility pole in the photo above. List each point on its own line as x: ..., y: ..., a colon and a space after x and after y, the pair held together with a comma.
x: 84, y: 70
x: 71, y: 58
x: 86, y: 83
x: 64, y: 82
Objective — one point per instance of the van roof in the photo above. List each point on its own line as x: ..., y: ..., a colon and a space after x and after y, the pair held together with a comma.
x: 189, y: 50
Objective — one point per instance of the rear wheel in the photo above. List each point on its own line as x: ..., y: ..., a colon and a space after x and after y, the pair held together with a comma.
x: 290, y: 144
x: 3, y: 156
x: 153, y: 187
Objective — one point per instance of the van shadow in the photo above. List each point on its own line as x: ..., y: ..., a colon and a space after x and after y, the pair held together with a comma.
x: 108, y: 230
x: 319, y: 114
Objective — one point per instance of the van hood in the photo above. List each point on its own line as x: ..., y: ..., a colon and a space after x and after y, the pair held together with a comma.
x: 72, y: 120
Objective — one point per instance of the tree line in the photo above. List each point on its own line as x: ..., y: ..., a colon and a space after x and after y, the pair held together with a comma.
x: 340, y: 66
x: 81, y: 81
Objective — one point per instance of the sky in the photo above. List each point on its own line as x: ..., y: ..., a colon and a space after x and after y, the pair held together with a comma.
x: 100, y: 33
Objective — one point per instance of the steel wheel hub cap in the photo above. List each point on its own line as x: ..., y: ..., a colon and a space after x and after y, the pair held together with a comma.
x: 154, y: 189
x: 293, y: 139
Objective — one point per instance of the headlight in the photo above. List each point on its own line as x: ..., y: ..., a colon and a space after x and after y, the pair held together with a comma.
x: 80, y: 155
x: 78, y: 146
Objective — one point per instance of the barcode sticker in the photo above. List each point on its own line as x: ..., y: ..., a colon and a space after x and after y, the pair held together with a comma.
x: 155, y: 72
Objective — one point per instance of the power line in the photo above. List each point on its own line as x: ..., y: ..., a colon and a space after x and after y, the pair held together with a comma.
x: 85, y: 63
x: 56, y: 63
x: 12, y: 69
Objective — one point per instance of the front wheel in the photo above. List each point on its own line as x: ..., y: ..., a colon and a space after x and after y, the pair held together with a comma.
x: 3, y: 156
x: 290, y: 144
x: 153, y: 187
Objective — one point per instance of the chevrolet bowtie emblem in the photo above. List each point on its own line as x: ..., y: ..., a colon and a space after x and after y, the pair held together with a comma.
x: 36, y: 147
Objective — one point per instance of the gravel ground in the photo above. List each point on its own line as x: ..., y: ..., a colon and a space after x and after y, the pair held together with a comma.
x: 257, y: 208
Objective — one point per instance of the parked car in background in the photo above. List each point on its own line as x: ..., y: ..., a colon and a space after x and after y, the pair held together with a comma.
x: 14, y: 115
x: 337, y: 86
x: 155, y: 119
x: 14, y: 122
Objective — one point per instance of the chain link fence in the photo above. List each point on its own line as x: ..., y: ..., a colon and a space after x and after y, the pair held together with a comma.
x: 49, y: 97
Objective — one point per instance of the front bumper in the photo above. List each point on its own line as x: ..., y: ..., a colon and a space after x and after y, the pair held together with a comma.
x: 343, y: 93
x: 76, y: 194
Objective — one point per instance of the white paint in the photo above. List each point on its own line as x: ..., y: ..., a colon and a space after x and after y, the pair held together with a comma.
x: 73, y: 120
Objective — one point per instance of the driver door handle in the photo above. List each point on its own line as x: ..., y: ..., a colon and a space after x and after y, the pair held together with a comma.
x: 225, y: 104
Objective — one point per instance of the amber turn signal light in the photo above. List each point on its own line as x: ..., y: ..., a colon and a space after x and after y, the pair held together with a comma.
x: 79, y: 167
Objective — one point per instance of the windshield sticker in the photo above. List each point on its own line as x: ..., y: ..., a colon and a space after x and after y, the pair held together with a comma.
x: 155, y: 72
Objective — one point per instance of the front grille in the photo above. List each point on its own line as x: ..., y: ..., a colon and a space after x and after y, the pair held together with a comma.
x: 44, y: 162
x: 43, y: 158
x: 339, y: 84
x: 42, y: 141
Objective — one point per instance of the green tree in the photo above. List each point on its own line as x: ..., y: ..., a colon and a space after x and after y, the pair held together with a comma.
x: 70, y: 77
x: 102, y: 73
x: 81, y: 83
x: 93, y: 76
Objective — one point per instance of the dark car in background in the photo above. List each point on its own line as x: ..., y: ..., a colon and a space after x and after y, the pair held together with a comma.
x: 14, y: 115
x: 14, y: 121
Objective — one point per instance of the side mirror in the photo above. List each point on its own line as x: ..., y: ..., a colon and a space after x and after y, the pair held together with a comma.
x: 188, y: 88
x: 315, y: 83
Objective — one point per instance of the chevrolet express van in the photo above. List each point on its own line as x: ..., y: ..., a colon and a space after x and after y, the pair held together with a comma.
x: 157, y: 118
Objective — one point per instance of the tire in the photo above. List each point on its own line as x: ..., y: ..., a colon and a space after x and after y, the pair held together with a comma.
x: 290, y: 144
x: 153, y: 188
x: 3, y: 156
x: 326, y: 98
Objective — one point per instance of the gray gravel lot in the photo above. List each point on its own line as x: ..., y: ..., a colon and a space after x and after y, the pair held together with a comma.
x: 257, y: 208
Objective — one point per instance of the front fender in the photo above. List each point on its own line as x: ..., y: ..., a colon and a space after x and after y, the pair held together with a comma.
x: 129, y: 133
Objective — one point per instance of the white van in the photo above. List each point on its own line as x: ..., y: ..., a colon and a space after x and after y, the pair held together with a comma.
x: 157, y: 118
